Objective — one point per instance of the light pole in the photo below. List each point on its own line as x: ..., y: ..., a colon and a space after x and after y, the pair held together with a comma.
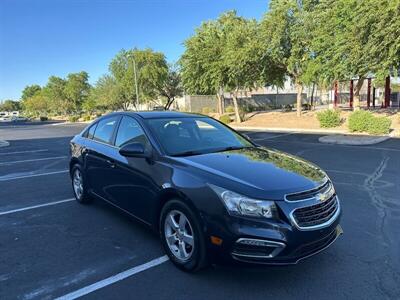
x: 136, y: 84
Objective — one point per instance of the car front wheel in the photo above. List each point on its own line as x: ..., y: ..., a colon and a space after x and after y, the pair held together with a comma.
x: 182, y: 237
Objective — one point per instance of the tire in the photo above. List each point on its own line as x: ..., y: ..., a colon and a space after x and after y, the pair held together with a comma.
x: 81, y: 194
x: 197, y: 256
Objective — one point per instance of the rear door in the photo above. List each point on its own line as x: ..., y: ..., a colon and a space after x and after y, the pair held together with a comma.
x: 99, y: 161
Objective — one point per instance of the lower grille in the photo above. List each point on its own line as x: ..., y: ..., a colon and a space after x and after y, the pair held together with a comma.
x: 317, y: 214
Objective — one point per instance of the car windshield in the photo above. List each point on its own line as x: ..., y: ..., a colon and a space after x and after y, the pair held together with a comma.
x: 192, y: 136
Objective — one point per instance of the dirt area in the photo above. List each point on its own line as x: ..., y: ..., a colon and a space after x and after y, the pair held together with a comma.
x: 308, y: 120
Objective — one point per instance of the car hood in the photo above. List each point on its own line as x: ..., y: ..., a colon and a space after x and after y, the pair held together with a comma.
x: 258, y: 172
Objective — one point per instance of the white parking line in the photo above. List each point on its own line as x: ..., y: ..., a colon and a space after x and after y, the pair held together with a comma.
x: 113, y: 279
x: 31, y: 160
x: 21, y: 152
x: 5, y: 178
x: 35, y: 206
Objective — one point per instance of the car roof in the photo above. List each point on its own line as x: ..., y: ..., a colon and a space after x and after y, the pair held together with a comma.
x: 159, y: 114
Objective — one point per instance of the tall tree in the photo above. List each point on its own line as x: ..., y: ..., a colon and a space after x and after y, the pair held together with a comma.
x: 54, y: 91
x: 226, y: 55
x: 151, y: 72
x: 287, y: 39
x: 30, y: 91
x: 201, y: 64
x: 108, y: 94
x: 171, y: 87
x: 77, y: 89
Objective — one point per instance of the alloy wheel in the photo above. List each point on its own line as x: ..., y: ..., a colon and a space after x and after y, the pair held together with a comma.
x: 78, y: 183
x: 179, y: 235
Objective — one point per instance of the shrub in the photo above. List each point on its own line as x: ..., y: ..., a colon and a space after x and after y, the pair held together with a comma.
x: 207, y: 110
x: 73, y: 118
x: 225, y: 119
x: 359, y: 121
x: 365, y: 121
x: 329, y: 118
x: 43, y: 118
x: 87, y: 117
x: 230, y: 109
x: 379, y: 125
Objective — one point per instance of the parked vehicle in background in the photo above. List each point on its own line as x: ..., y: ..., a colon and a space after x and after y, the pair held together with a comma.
x: 211, y: 193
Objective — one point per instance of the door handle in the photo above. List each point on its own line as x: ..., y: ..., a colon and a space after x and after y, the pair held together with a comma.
x: 111, y: 163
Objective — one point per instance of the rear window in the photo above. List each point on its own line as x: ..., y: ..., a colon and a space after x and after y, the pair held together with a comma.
x: 105, y: 129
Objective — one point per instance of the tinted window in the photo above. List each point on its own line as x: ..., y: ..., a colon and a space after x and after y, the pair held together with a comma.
x: 198, y: 135
x: 105, y: 129
x: 90, y: 132
x: 130, y: 131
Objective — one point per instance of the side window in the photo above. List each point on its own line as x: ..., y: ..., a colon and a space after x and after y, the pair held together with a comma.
x: 130, y: 131
x: 90, y: 132
x: 104, y: 130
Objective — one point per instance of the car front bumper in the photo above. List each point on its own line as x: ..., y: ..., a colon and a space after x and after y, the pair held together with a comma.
x: 274, y: 243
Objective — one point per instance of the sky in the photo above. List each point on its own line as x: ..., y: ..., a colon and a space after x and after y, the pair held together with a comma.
x: 40, y: 38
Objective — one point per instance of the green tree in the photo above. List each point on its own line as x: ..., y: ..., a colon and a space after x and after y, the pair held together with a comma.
x: 10, y: 105
x: 108, y: 94
x: 288, y: 40
x: 171, y: 87
x: 151, y: 70
x: 54, y: 91
x: 29, y: 91
x: 37, y: 105
x: 201, y: 64
x: 77, y: 89
x: 226, y: 55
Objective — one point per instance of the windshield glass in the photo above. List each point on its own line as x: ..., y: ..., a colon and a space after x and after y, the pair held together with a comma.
x: 191, y: 136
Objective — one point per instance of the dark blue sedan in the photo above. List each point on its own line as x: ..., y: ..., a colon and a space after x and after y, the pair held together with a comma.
x: 211, y: 193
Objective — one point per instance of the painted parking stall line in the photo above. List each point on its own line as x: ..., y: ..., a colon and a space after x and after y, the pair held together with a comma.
x: 35, y: 206
x: 23, y: 152
x: 9, y: 178
x: 113, y: 279
x: 31, y: 160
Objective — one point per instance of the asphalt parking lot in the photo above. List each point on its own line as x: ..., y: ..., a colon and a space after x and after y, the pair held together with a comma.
x: 51, y: 246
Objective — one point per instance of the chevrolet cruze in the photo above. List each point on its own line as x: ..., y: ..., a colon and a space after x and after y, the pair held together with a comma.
x: 211, y: 193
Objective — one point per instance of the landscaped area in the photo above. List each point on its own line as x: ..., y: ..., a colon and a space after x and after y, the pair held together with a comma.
x: 309, y: 121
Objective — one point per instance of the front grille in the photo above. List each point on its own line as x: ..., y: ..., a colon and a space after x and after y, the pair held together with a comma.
x: 310, y: 193
x: 317, y: 214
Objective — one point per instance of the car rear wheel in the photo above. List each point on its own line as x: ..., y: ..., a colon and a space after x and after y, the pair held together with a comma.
x: 78, y: 185
x: 182, y: 237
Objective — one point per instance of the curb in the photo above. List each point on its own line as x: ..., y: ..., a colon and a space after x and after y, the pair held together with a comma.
x: 353, y: 140
x: 4, y: 143
x: 294, y: 130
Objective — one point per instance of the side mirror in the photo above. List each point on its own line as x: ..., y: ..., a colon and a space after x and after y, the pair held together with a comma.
x: 134, y: 150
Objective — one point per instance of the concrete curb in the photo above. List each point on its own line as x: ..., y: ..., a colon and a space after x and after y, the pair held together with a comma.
x: 354, y: 140
x: 4, y: 143
x: 294, y: 130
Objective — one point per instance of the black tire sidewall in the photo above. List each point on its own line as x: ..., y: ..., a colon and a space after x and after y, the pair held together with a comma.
x: 197, y: 260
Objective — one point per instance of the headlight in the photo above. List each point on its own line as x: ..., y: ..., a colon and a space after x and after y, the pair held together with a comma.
x: 241, y: 205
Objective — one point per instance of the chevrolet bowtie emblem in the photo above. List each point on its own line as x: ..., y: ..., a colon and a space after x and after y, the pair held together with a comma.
x: 322, y: 197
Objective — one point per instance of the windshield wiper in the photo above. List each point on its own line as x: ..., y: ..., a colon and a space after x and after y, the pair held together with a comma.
x: 231, y: 148
x: 187, y: 153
